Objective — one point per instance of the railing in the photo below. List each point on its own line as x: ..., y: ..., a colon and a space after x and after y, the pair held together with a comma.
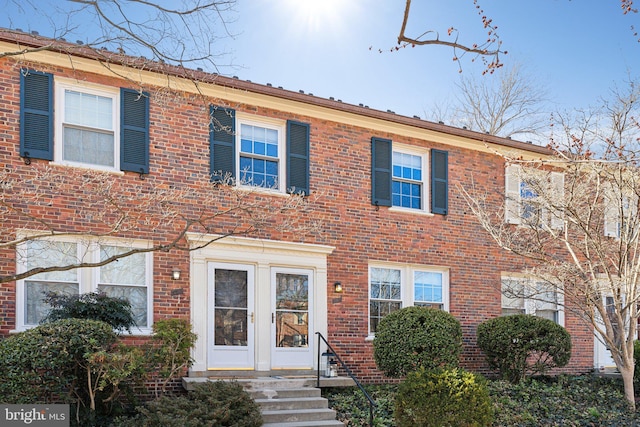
x: 372, y: 403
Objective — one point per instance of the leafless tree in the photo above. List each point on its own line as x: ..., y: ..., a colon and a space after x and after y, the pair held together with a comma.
x: 38, y: 205
x: 115, y: 207
x: 489, y: 49
x: 581, y: 238
x: 183, y: 33
x: 509, y: 103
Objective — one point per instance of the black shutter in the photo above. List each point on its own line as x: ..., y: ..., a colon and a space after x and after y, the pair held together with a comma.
x: 439, y: 182
x: 222, y: 143
x: 134, y: 131
x: 36, y: 115
x: 381, y: 157
x: 297, y: 157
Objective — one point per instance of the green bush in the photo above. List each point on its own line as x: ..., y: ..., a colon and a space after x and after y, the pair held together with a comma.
x: 415, y: 337
x: 170, y: 350
x: 93, y: 305
x: 522, y: 344
x: 443, y: 398
x: 45, y: 364
x: 218, y: 403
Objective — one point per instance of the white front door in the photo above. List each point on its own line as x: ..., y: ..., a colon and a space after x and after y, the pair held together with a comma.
x: 291, y: 318
x: 231, y: 316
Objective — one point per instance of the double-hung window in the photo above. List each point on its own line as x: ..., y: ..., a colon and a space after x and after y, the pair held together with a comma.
x: 407, y: 177
x: 525, y: 295
x: 534, y: 198
x: 408, y: 180
x: 87, y: 128
x: 394, y: 287
x: 260, y: 151
x: 128, y: 277
x: 92, y: 126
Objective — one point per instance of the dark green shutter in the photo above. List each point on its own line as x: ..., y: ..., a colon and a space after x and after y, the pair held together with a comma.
x: 134, y: 131
x: 222, y: 143
x: 381, y: 157
x: 36, y: 115
x: 297, y: 157
x: 439, y: 181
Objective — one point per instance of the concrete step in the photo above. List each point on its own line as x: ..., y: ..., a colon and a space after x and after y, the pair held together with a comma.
x: 298, y: 415
x: 324, y: 423
x: 292, y: 403
x: 268, y: 393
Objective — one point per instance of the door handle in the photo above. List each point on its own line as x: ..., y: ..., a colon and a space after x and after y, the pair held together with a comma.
x: 273, y: 318
x: 252, y: 317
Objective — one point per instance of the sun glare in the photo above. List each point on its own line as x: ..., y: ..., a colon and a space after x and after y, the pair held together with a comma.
x: 319, y: 15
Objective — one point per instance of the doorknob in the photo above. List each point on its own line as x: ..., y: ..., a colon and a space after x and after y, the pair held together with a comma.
x: 252, y: 317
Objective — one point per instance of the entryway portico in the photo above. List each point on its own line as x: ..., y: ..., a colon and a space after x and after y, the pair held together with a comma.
x: 256, y: 304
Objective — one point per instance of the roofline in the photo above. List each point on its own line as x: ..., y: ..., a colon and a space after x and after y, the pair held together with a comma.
x: 31, y: 41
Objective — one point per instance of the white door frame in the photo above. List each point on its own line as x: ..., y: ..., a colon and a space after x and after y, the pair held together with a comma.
x: 263, y: 255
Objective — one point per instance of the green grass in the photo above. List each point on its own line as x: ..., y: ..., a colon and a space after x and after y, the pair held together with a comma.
x: 558, y: 401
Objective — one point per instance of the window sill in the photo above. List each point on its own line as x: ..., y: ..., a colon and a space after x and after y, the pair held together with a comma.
x: 87, y: 167
x: 135, y: 332
x: 262, y: 190
x: 369, y: 338
x: 410, y: 211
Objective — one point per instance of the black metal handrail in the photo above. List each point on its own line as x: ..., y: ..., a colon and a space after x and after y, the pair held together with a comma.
x: 372, y: 403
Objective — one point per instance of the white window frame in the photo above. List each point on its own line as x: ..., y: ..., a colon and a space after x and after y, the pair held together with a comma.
x: 407, y: 284
x: 514, y: 202
x: 88, y: 249
x: 425, y: 190
x: 61, y: 86
x: 530, y: 305
x: 263, y: 122
x: 616, y: 212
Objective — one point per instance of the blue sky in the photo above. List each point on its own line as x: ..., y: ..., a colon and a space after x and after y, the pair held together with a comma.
x: 576, y: 49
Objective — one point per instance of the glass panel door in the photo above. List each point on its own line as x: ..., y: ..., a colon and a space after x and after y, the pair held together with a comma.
x: 292, y: 310
x: 292, y: 292
x: 231, y: 316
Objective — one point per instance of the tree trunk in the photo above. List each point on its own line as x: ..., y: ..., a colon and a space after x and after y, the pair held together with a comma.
x: 629, y: 393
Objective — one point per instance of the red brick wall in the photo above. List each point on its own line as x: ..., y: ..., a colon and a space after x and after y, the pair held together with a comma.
x: 340, y: 172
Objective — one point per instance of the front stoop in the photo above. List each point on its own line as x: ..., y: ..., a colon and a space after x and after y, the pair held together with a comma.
x: 289, y: 407
x: 286, y: 402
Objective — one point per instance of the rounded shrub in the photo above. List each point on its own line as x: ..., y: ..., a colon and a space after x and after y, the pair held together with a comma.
x: 45, y: 364
x: 522, y: 344
x: 92, y: 305
x: 443, y: 398
x: 415, y: 337
x: 220, y: 403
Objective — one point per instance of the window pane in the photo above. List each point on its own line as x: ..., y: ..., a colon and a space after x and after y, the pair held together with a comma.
x: 407, y: 187
x: 137, y: 297
x: 116, y: 278
x: 427, y: 287
x: 231, y: 311
x: 130, y: 270
x: 385, y: 294
x: 34, y: 307
x: 86, y: 146
x: 512, y: 295
x: 88, y: 110
x: 43, y: 253
x: 292, y: 310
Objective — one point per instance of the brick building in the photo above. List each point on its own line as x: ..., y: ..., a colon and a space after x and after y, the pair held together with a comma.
x: 395, y: 229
